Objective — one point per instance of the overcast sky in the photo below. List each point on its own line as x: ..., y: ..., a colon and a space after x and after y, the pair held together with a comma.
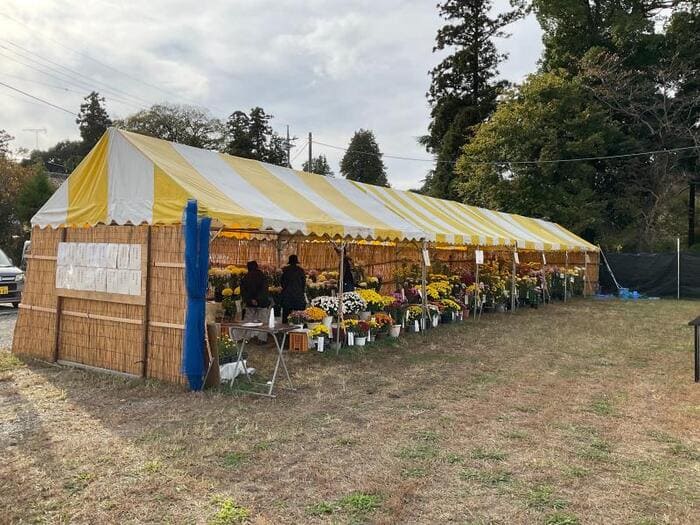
x: 325, y: 66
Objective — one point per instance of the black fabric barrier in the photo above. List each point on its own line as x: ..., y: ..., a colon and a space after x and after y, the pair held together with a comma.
x: 653, y: 274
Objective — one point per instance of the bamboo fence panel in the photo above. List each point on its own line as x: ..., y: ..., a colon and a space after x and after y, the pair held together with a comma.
x: 35, y: 329
x: 100, y: 333
x: 34, y: 334
x: 167, y: 304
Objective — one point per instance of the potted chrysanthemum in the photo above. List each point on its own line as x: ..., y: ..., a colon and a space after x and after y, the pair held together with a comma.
x: 298, y: 317
x: 314, y: 316
x: 362, y: 332
x: 319, y: 334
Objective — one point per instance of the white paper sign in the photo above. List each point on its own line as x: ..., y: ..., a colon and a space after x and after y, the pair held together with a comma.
x: 100, y: 280
x: 135, y: 282
x: 60, y: 276
x: 80, y: 254
x: 111, y: 282
x: 69, y: 277
x: 62, y: 255
x: 99, y: 267
x: 135, y: 257
x: 112, y: 252
x: 479, y: 255
x: 91, y: 256
x: 123, y: 256
x: 89, y: 279
x: 123, y: 281
x: 516, y: 257
x: 544, y: 259
x: 426, y: 257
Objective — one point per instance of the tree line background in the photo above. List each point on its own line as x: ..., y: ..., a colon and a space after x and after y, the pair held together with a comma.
x: 616, y: 77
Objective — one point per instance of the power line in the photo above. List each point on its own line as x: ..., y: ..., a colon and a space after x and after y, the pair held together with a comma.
x: 513, y: 162
x: 37, y: 98
x: 74, y: 82
x: 54, y: 65
x: 300, y: 150
x: 47, y: 84
x: 107, y: 66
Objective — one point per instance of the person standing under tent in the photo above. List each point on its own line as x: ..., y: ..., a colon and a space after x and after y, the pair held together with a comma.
x: 348, y: 278
x: 254, y: 294
x: 293, y: 287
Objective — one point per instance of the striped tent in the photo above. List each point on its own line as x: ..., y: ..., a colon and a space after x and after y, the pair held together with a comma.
x: 129, y: 178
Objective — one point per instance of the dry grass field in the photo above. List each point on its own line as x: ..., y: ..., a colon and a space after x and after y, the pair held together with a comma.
x: 576, y: 413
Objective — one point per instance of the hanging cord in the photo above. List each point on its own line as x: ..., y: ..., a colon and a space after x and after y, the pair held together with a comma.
x: 605, y: 259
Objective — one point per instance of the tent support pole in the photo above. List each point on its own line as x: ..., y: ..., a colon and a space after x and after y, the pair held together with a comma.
x: 546, y: 298
x: 278, y: 247
x: 146, y: 306
x: 59, y: 307
x: 512, y: 280
x: 477, y: 288
x: 423, y: 283
x: 678, y: 268
x: 341, y: 278
x: 566, y: 272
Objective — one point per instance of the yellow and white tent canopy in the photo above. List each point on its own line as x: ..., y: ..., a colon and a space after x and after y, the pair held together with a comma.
x: 133, y: 179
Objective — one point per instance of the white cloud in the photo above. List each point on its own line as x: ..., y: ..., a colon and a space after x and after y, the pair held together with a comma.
x: 321, y: 65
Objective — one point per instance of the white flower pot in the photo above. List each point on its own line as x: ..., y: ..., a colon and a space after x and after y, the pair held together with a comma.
x: 360, y: 341
x: 395, y: 331
x: 311, y: 326
x: 364, y: 316
x: 351, y: 339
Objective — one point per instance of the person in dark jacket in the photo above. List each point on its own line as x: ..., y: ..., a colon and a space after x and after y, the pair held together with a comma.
x: 255, y: 296
x: 254, y: 287
x: 348, y: 278
x: 293, y: 288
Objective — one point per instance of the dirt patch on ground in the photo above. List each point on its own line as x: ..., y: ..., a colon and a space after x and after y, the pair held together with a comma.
x: 577, y: 413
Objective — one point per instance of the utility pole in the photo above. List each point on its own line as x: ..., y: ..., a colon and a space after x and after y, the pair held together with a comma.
x: 289, y: 148
x: 36, y: 132
x: 311, y: 158
x: 691, y: 212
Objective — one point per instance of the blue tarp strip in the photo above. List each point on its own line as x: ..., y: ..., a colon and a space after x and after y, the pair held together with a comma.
x: 196, y: 233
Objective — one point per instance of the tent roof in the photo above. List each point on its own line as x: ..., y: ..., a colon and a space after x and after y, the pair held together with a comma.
x: 129, y: 178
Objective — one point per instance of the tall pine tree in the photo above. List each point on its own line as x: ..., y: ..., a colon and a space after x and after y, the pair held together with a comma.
x: 92, y: 120
x: 362, y: 161
x: 463, y: 90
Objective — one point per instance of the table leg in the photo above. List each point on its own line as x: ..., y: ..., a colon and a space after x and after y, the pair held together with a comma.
x: 284, y: 363
x: 697, y: 355
x: 239, y: 361
x: 280, y: 358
